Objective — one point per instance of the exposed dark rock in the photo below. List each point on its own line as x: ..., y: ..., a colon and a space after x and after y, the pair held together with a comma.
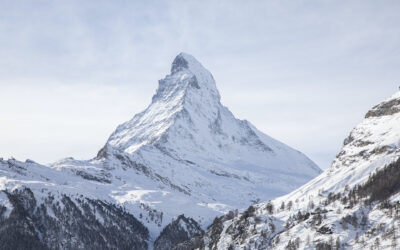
x: 383, y: 149
x: 225, y: 174
x: 88, y: 176
x: 179, y: 63
x: 102, y: 152
x: 325, y: 230
x: 361, y: 143
x: 386, y: 108
x: 324, y: 246
x: 194, y: 83
x: 348, y: 140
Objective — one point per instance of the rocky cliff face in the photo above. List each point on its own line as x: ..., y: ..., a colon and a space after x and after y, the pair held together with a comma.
x: 185, y: 154
x: 353, y: 204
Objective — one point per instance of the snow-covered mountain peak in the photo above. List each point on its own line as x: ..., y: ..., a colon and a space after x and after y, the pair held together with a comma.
x: 186, y: 149
x: 184, y: 154
x: 186, y: 66
x: 188, y: 93
x: 372, y: 144
x: 186, y: 121
x: 377, y: 137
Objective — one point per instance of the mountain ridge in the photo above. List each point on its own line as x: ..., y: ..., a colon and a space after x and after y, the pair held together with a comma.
x: 185, y: 150
x: 353, y: 204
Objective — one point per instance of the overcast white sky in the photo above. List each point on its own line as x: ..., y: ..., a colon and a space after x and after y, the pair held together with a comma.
x: 304, y: 72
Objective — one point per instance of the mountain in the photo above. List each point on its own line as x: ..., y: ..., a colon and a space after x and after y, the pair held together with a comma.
x: 186, y: 154
x: 42, y: 208
x: 355, y: 204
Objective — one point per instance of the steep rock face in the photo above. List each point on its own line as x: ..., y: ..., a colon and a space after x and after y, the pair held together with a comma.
x: 388, y: 107
x: 353, y: 204
x: 185, y: 154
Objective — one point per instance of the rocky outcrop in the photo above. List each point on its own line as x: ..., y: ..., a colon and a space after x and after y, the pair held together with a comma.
x: 386, y: 108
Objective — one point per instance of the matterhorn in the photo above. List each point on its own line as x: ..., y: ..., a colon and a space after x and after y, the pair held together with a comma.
x: 175, y: 166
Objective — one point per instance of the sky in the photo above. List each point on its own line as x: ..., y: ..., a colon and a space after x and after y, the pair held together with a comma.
x: 304, y: 72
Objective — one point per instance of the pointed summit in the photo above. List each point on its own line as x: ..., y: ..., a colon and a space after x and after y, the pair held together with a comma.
x: 186, y: 122
x: 188, y: 149
x: 189, y: 91
x: 184, y: 154
x: 189, y: 74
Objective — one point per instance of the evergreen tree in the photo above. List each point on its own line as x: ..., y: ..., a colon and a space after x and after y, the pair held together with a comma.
x: 338, y: 243
x: 270, y: 207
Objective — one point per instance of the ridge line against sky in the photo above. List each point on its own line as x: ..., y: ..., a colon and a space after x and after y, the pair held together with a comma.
x: 303, y: 72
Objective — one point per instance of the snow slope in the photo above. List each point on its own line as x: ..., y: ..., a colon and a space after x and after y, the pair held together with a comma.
x: 185, y: 154
x: 329, y: 211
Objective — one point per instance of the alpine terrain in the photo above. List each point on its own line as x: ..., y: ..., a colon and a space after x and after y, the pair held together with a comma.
x: 163, y: 176
x: 355, y: 204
